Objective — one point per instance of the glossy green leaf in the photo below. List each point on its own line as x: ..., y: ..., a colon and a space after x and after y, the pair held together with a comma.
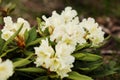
x: 32, y: 35
x: 22, y: 62
x: 32, y: 70
x: 79, y: 47
x: 1, y: 41
x: 103, y: 72
x: 7, y: 51
x: 87, y: 65
x: 26, y: 35
x: 86, y: 56
x: 38, y: 40
x: 91, y: 66
x: 76, y: 76
x: 28, y: 53
x: 40, y: 24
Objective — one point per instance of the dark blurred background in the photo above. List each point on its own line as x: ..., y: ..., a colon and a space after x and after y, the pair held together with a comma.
x: 30, y: 9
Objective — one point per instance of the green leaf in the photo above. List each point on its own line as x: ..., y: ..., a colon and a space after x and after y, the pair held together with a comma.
x: 22, y: 62
x: 54, y: 75
x: 26, y: 34
x: 7, y: 51
x: 28, y: 53
x: 32, y: 70
x: 11, y: 38
x: 1, y: 20
x: 40, y: 23
x: 87, y: 65
x: 42, y: 78
x: 1, y: 41
x: 86, y: 56
x: 32, y: 35
x: 79, y: 47
x: 76, y: 76
x: 103, y: 72
x: 38, y: 40
x: 10, y: 7
x: 91, y: 66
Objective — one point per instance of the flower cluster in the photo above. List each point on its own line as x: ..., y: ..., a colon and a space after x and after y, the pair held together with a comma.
x: 64, y: 30
x: 10, y: 27
x: 93, y: 32
x: 65, y: 27
x: 67, y: 31
x: 59, y: 60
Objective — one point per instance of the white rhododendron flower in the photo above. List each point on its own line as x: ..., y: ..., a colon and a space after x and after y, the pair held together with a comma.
x: 55, y: 64
x: 6, y: 34
x: 57, y: 20
x: 8, y: 23
x: 62, y: 72
x: 94, y: 32
x: 70, y: 33
x: 65, y: 27
x: 55, y: 60
x: 26, y: 26
x: 43, y: 52
x: 68, y: 14
x: 6, y: 69
x: 11, y: 27
x: 52, y: 21
x: 63, y: 52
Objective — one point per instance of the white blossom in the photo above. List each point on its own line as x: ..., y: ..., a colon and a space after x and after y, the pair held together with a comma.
x: 26, y: 26
x: 63, y: 52
x: 63, y: 60
x: 63, y: 72
x: 6, y: 69
x: 68, y: 14
x: 93, y: 31
x: 43, y: 52
x: 56, y: 60
x: 65, y: 27
x: 8, y: 23
x: 54, y: 21
x: 6, y: 34
x: 55, y: 64
x: 11, y: 27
